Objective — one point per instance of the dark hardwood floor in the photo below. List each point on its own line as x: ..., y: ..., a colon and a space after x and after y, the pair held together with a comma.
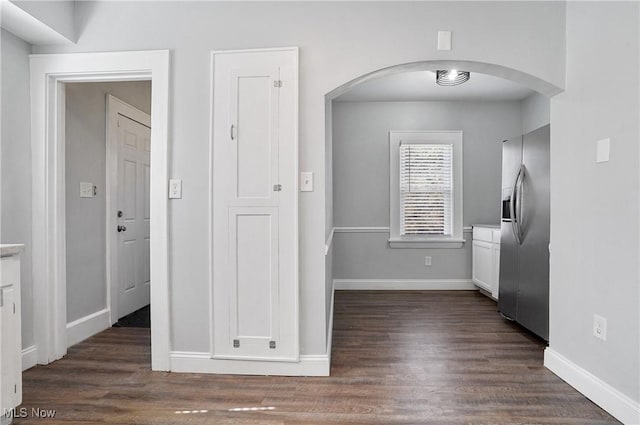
x: 398, y: 358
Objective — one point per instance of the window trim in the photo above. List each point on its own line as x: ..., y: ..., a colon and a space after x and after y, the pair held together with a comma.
x: 396, y: 137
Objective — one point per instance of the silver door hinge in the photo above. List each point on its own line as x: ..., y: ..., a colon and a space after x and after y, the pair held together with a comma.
x: 272, y: 344
x: 15, y: 388
x: 236, y: 343
x: 277, y: 83
x: 277, y: 187
x: 14, y: 308
x: 118, y: 123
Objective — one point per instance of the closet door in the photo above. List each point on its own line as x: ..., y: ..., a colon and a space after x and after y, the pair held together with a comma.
x: 254, y: 240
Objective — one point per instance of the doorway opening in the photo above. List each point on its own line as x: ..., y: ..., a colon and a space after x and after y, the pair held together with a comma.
x: 107, y: 182
x: 374, y: 241
x: 50, y: 75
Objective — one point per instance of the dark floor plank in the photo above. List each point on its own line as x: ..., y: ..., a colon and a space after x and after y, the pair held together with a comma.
x: 423, y: 357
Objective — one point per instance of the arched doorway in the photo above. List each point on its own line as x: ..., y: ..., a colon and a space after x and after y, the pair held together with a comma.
x: 528, y: 81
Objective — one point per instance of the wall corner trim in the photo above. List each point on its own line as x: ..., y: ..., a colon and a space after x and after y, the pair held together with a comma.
x: 87, y: 326
x: 201, y: 362
x: 329, y: 241
x: 403, y: 284
x: 29, y: 357
x: 604, y: 395
x: 330, y: 328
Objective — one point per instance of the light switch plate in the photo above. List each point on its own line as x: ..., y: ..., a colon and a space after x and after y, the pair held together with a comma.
x: 86, y: 190
x: 600, y: 327
x: 306, y: 181
x: 602, y: 150
x: 444, y: 40
x: 175, y: 189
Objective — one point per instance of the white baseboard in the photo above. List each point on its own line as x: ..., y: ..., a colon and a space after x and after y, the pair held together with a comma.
x: 29, y: 357
x: 198, y: 362
x: 404, y: 284
x: 87, y: 326
x: 309, y: 365
x: 604, y: 395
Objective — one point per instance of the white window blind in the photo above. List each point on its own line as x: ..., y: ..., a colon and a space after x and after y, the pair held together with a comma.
x: 426, y: 189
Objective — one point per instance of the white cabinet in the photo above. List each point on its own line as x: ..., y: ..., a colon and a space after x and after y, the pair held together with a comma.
x: 255, y: 272
x: 486, y: 258
x: 10, y: 332
x: 495, y: 260
x: 482, y: 271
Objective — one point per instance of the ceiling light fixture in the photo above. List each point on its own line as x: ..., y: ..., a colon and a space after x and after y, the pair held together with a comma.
x: 451, y: 77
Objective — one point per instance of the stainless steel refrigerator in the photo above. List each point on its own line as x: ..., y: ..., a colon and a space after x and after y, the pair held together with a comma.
x: 524, y: 245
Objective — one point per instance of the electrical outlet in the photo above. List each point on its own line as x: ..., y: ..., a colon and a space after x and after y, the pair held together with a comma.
x: 87, y: 190
x: 600, y: 327
x: 175, y: 189
x: 427, y: 261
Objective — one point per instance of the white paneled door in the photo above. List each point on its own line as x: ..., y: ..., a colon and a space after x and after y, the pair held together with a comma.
x: 134, y: 165
x: 254, y: 240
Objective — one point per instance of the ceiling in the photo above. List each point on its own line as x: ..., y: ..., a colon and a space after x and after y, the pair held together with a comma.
x: 421, y: 86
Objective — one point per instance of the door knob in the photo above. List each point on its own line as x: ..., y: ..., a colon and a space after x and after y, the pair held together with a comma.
x: 122, y: 228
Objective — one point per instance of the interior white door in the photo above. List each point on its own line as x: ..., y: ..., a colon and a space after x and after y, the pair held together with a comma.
x: 254, y: 241
x: 134, y: 165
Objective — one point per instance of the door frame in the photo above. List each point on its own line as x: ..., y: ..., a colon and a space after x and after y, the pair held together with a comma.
x: 49, y: 72
x: 115, y: 106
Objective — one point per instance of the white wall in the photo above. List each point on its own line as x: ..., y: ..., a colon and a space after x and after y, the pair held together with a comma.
x: 361, y: 181
x: 595, y: 214
x: 85, y: 162
x: 15, y: 156
x: 338, y: 42
x: 535, y: 112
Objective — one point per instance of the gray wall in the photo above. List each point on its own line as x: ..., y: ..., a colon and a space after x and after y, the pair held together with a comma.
x: 85, y: 162
x: 338, y: 42
x: 361, y: 181
x: 15, y: 157
x: 595, y: 252
x: 535, y: 112
x: 368, y: 256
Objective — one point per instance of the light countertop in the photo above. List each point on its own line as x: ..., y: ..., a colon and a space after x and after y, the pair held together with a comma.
x: 7, y: 250
x: 488, y: 226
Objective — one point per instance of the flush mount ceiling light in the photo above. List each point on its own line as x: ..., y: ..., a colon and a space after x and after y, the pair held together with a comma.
x: 451, y: 77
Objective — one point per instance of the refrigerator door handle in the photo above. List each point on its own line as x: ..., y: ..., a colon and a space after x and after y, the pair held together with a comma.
x: 519, y: 203
x: 513, y: 206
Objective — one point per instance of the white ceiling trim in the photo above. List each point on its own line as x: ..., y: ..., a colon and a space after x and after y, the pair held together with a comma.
x: 25, y: 26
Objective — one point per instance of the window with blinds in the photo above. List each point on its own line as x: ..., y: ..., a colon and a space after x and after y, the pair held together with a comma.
x: 426, y: 189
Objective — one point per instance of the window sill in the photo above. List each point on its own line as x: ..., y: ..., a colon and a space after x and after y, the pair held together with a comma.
x: 440, y: 243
